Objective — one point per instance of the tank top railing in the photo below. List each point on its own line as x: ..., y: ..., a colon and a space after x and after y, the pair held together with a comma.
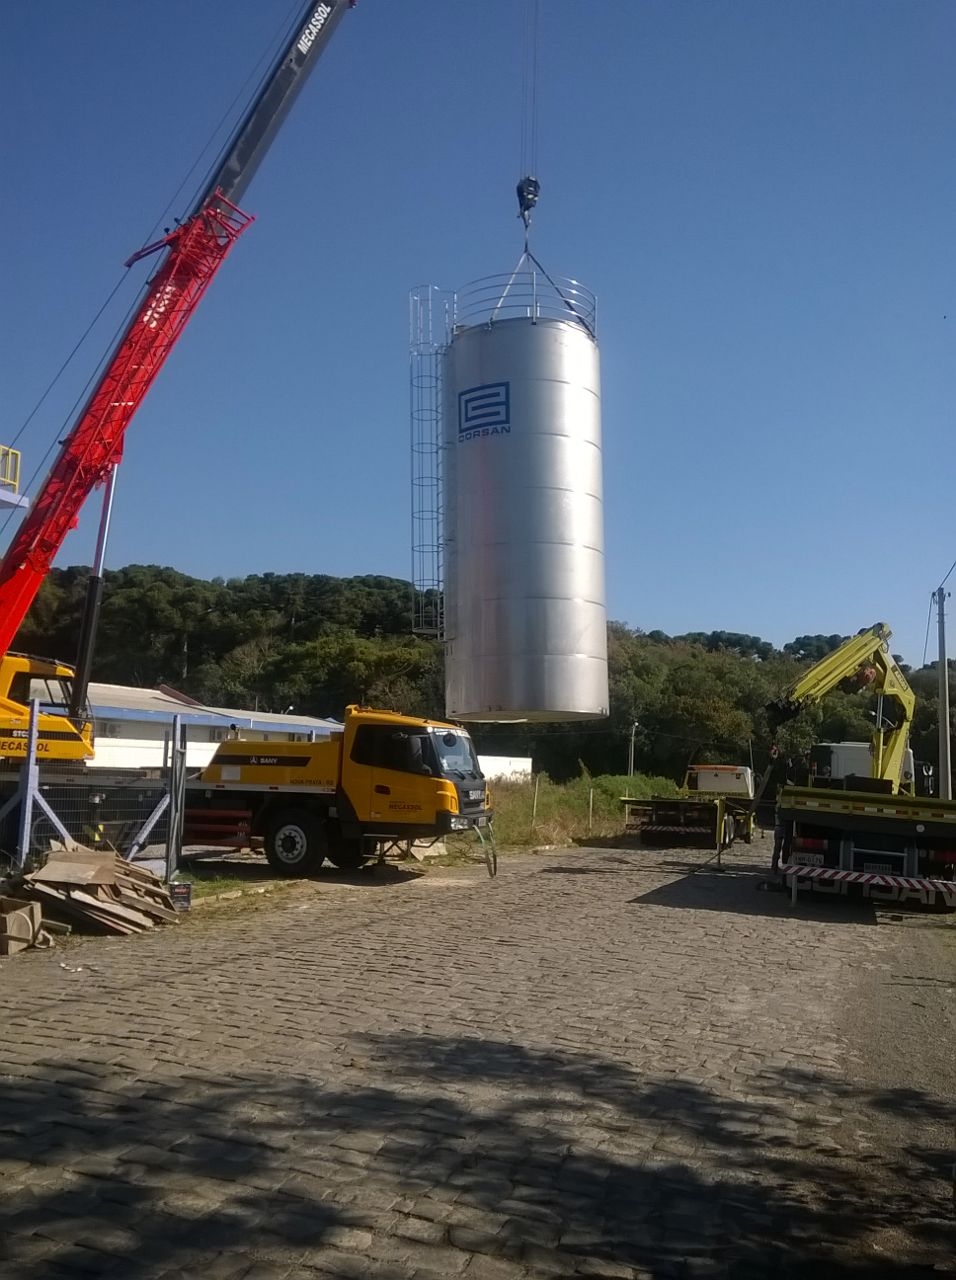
x: 528, y: 292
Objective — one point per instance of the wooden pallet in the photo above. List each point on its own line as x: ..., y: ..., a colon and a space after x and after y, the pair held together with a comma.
x: 99, y: 889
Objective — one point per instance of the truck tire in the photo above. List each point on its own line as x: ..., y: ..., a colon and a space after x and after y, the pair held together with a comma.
x: 295, y: 842
x: 346, y: 853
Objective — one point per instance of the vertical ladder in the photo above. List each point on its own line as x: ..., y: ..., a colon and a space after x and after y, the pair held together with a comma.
x: 430, y: 319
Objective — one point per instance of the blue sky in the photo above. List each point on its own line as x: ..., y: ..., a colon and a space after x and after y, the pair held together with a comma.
x: 762, y: 194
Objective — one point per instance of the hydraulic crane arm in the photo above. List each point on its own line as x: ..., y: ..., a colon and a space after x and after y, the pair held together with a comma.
x: 193, y: 254
x: 867, y: 654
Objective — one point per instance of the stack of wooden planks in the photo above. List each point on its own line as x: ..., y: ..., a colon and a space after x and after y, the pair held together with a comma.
x: 103, y: 890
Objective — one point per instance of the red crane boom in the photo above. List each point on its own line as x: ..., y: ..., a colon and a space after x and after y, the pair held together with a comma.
x: 194, y: 253
x: 95, y: 444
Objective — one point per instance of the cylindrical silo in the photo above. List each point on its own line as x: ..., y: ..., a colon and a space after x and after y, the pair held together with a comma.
x: 525, y: 619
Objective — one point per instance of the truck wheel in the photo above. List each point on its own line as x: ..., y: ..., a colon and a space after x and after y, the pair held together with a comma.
x: 295, y: 843
x: 347, y: 853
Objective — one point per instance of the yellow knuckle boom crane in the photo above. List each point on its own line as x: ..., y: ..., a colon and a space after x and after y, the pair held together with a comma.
x: 867, y: 658
x: 873, y: 833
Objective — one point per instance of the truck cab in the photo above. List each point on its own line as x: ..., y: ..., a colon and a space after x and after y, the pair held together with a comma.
x: 24, y: 679
x: 400, y: 772
x: 850, y: 764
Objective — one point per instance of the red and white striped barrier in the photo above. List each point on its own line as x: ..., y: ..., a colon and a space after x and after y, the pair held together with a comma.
x: 920, y: 886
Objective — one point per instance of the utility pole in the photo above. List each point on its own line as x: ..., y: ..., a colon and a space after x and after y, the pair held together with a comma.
x: 630, y: 754
x: 945, y: 774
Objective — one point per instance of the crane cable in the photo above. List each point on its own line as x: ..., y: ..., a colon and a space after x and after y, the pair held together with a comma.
x: 529, y: 90
x: 529, y: 187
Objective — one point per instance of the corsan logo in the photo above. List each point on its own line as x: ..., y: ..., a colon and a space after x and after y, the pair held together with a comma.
x: 484, y: 411
x: 313, y: 27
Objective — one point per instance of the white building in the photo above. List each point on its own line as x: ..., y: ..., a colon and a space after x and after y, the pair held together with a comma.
x: 133, y: 726
x: 132, y: 729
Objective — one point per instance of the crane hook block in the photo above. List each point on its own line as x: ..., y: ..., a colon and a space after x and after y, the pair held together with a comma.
x: 528, y: 190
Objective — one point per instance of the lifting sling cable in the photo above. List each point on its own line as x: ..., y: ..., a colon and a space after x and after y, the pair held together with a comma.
x: 527, y: 257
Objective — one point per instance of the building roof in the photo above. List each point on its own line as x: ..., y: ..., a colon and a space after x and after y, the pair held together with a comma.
x: 276, y: 721
x: 121, y: 702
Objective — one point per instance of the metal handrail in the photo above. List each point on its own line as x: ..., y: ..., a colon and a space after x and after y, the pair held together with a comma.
x: 528, y: 292
x: 9, y: 468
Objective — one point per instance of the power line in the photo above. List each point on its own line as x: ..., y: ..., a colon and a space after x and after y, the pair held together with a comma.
x: 948, y: 572
x: 929, y: 619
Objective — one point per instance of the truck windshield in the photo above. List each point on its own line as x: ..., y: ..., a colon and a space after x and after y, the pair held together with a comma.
x: 54, y: 693
x: 456, y: 753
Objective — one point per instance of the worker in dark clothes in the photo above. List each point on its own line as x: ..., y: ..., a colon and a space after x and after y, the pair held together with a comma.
x: 781, y: 839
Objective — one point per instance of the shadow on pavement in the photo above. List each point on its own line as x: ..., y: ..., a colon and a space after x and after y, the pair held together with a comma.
x: 753, y: 894
x: 577, y: 871
x: 207, y: 866
x: 546, y: 1161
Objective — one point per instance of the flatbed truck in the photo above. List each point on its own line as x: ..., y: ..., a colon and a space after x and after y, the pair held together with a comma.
x: 714, y: 808
x: 867, y: 833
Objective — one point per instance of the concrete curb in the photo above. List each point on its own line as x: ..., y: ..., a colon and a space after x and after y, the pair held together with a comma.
x: 228, y: 895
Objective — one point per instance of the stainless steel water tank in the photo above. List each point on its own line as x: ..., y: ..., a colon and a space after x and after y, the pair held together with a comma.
x: 525, y: 618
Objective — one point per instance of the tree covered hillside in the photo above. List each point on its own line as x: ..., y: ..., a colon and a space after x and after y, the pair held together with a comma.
x: 316, y: 643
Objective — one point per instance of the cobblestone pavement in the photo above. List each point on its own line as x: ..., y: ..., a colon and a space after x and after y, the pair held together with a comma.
x: 598, y: 1065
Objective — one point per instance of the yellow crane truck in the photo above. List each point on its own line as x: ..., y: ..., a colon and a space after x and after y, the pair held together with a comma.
x: 385, y: 780
x: 869, y: 831
x: 714, y: 808
x: 60, y: 736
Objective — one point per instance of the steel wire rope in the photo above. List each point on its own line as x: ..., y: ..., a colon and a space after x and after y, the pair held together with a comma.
x: 528, y: 148
x: 929, y: 619
x: 246, y: 99
x: 533, y: 144
x: 71, y: 414
x: 948, y: 572
x: 523, y: 125
x: 243, y: 95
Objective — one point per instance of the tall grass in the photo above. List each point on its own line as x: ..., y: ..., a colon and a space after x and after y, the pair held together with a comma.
x: 562, y: 814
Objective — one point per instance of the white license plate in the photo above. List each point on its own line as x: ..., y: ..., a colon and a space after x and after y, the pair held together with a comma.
x: 809, y: 859
x: 878, y: 868
x: 481, y: 822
